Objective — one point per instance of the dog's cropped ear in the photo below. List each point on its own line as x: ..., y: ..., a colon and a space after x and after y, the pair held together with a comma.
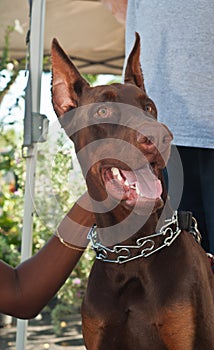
x: 133, y: 72
x: 67, y: 83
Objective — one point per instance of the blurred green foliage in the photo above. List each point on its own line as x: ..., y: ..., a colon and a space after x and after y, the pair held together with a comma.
x: 54, y: 196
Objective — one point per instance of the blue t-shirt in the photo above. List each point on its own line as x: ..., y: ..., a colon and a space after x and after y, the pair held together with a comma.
x: 177, y: 59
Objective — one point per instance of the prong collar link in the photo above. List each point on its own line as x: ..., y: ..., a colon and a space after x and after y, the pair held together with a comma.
x: 146, y: 246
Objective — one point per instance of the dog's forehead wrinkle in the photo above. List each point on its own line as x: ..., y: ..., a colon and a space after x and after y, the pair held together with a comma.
x: 100, y: 94
x: 116, y: 92
x: 109, y: 95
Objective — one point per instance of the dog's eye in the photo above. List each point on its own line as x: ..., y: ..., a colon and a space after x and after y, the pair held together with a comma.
x: 103, y: 112
x: 149, y: 108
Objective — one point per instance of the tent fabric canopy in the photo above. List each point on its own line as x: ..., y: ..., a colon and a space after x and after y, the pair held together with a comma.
x: 86, y: 30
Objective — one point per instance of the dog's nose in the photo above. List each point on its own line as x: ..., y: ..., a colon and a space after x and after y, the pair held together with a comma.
x: 154, y: 138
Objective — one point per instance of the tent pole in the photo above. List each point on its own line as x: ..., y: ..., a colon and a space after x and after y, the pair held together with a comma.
x: 35, y: 74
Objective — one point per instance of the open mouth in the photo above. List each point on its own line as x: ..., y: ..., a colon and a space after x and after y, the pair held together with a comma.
x: 138, y: 188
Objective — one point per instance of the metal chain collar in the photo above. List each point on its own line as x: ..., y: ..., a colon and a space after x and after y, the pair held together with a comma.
x: 145, y: 246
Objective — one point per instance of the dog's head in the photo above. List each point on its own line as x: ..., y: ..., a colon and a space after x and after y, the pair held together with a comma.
x: 119, y: 143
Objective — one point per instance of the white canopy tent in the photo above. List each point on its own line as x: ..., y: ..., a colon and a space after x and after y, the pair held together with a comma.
x: 95, y: 42
x: 86, y: 30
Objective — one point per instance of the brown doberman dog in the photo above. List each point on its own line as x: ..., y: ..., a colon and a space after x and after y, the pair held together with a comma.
x: 151, y: 286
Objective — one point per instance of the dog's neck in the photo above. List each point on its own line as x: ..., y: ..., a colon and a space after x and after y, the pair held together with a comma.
x: 121, y: 226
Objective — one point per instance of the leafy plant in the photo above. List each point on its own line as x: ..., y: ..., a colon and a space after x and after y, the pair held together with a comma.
x: 9, y: 68
x: 53, y: 198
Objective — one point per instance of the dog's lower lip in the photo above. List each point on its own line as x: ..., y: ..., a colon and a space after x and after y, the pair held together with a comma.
x: 144, y: 207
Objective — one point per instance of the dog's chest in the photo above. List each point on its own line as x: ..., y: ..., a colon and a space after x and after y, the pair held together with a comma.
x: 121, y: 322
x: 118, y: 307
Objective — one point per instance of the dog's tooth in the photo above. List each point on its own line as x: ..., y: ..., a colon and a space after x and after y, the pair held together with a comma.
x: 119, y: 177
x: 137, y: 189
x: 126, y: 183
x: 133, y: 186
x: 115, y: 171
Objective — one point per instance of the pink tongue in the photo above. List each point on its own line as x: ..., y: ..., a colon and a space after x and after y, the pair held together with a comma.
x: 147, y: 183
